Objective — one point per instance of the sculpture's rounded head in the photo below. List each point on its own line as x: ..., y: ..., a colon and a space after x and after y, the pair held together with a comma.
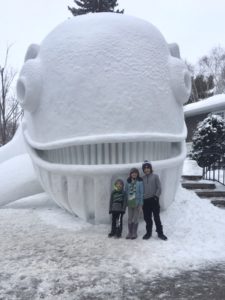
x: 102, y: 75
x: 104, y: 89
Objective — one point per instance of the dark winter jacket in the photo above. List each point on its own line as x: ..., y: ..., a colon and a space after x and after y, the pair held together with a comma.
x: 118, y: 201
x: 138, y: 191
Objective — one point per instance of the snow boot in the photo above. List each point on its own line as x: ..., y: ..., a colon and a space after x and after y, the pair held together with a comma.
x: 134, y: 232
x: 147, y: 236
x: 130, y: 228
x: 162, y: 237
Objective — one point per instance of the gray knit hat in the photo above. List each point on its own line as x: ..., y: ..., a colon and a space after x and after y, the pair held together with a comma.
x: 147, y: 164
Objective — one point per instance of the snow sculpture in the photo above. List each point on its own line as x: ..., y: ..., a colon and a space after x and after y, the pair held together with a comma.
x: 102, y: 93
x: 17, y: 175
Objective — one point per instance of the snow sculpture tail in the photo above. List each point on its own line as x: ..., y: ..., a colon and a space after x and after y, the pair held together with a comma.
x: 17, y: 175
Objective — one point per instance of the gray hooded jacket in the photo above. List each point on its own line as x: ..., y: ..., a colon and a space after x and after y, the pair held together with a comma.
x: 152, y: 186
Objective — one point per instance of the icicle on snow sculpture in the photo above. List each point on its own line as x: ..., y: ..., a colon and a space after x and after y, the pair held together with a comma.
x: 102, y: 93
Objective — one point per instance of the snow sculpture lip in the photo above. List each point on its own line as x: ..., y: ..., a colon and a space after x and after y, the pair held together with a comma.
x: 111, y: 152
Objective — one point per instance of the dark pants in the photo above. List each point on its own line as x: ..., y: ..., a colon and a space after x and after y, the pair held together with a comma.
x: 151, y: 207
x: 117, y: 222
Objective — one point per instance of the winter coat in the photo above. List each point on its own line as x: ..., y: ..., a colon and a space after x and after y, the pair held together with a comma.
x: 118, y: 201
x: 139, y: 191
x: 152, y: 186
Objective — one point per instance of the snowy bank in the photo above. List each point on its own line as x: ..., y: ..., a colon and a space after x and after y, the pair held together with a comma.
x: 48, y: 253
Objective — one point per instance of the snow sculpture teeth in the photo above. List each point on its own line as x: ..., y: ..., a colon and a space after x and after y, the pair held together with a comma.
x: 102, y: 93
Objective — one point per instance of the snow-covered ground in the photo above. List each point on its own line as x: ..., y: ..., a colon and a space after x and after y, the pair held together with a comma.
x: 48, y: 253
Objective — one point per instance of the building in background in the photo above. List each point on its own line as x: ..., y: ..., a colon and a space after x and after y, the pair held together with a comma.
x: 198, y: 111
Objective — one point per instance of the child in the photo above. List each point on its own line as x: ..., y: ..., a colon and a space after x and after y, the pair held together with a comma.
x: 134, y: 190
x: 152, y: 191
x: 117, y: 208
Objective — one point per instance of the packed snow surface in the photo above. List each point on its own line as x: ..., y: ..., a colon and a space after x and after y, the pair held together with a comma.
x: 48, y: 253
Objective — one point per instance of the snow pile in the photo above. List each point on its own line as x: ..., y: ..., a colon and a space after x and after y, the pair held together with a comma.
x: 47, y: 253
x: 190, y: 167
x: 195, y: 230
x: 194, y: 227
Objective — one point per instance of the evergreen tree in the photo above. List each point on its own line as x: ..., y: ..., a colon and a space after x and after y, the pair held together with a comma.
x: 94, y: 6
x: 209, y: 141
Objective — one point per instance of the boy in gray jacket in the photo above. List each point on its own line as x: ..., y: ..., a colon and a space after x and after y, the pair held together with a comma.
x: 152, y: 191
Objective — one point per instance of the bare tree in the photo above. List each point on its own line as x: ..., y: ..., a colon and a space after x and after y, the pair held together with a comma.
x: 194, y: 93
x: 214, y: 64
x: 10, y: 111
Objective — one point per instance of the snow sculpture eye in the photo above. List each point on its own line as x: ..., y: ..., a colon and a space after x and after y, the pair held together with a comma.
x: 29, y: 85
x: 32, y: 52
x: 180, y: 79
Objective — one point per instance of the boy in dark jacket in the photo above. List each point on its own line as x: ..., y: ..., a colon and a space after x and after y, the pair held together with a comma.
x: 117, y: 208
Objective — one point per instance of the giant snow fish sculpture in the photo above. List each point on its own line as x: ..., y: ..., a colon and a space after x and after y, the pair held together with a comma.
x: 102, y: 93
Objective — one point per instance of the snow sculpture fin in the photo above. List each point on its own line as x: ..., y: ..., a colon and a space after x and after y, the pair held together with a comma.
x: 32, y: 52
x: 174, y: 50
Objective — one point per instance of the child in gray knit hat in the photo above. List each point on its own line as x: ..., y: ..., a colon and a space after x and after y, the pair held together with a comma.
x: 152, y: 191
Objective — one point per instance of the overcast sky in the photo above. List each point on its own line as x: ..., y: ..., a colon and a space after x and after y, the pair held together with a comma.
x: 196, y: 25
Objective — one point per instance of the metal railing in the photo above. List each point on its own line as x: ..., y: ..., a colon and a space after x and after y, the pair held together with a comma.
x: 215, y: 172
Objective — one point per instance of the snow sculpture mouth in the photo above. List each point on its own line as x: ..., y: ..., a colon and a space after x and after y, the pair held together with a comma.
x: 108, y: 150
x: 111, y: 153
x: 79, y: 176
